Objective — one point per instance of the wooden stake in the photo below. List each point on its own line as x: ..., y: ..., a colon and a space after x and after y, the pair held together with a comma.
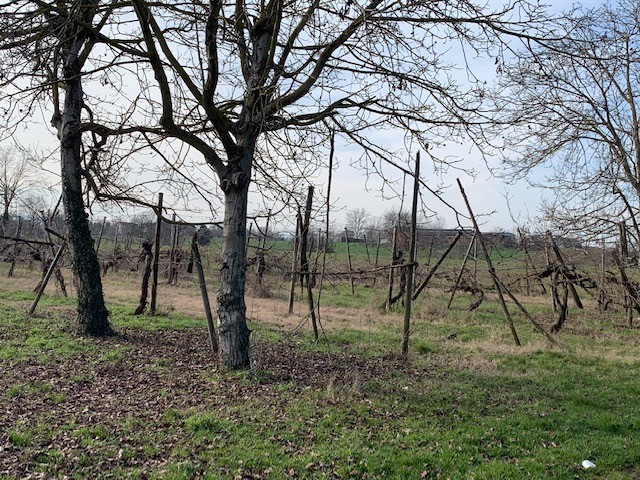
x: 156, y: 257
x: 412, y: 258
x: 433, y: 269
x: 45, y: 280
x: 375, y: 266
x: 462, y: 267
x: 213, y: 336
x: 391, y: 270
x: 490, y: 268
x: 294, y: 262
x: 346, y: 239
x: 104, y: 221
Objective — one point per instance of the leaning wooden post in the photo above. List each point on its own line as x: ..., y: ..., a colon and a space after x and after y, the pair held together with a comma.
x: 412, y: 258
x: 346, y: 239
x: 433, y: 269
x: 490, y: 267
x: 104, y: 221
x: 213, y: 336
x: 46, y: 278
x: 156, y: 257
x: 461, y: 271
x: 294, y: 263
x: 570, y: 285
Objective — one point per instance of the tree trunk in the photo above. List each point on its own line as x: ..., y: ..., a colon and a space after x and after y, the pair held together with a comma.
x: 233, y: 332
x: 92, y: 313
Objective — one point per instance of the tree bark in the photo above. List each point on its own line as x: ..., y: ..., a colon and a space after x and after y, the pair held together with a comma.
x: 233, y: 332
x: 92, y: 313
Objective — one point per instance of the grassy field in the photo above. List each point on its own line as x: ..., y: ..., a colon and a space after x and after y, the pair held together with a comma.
x: 152, y: 403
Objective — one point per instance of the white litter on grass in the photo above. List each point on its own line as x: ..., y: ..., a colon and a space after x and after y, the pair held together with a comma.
x: 587, y: 464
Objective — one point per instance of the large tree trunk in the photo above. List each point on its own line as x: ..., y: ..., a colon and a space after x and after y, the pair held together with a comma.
x: 92, y: 313
x: 233, y: 331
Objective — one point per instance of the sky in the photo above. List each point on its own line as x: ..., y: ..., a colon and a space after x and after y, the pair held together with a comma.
x: 487, y: 194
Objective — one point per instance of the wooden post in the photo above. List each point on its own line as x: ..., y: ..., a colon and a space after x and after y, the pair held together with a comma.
x: 156, y: 257
x: 213, y: 336
x: 147, y: 255
x: 433, y: 269
x: 346, y: 239
x: 172, y: 252
x: 490, y: 267
x: 366, y: 247
x: 45, y: 280
x: 294, y: 262
x: 394, y: 246
x: 412, y: 259
x: 375, y: 265
x: 104, y: 221
x: 461, y: 272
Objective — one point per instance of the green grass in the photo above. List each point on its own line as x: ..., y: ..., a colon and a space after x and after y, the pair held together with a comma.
x: 469, y: 404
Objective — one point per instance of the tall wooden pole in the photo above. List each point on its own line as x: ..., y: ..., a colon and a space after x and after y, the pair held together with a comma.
x: 412, y: 258
x: 490, y: 268
x: 156, y: 257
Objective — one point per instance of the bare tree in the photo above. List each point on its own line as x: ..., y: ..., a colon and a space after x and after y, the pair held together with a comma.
x: 48, y: 43
x: 355, y: 220
x: 571, y: 106
x: 12, y: 179
x: 255, y: 87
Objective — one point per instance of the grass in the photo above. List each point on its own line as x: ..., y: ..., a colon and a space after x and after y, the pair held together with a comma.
x: 468, y: 405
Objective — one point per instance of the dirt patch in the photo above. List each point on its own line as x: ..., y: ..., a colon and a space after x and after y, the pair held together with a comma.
x: 62, y: 407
